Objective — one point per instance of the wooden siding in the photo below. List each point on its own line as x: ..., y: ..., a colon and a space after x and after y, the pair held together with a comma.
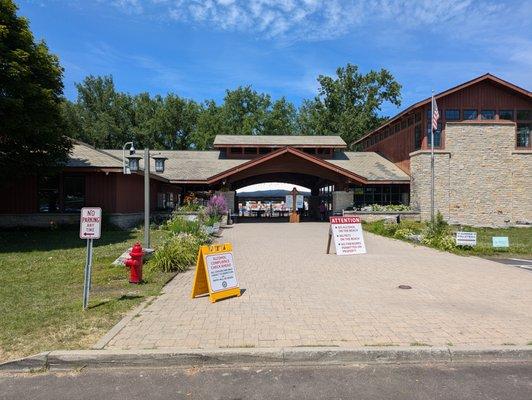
x: 20, y: 197
x: 484, y: 95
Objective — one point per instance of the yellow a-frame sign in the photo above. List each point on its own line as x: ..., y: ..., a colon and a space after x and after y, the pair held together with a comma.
x: 215, y: 273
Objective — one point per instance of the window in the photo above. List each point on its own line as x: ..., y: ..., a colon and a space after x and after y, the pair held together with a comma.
x: 506, y: 114
x: 487, y: 114
x: 309, y: 151
x: 73, y: 193
x: 264, y: 150
x: 470, y: 114
x: 524, y: 115
x: 236, y: 150
x: 418, y: 117
x: 417, y: 137
x: 437, y: 134
x: 523, y: 134
x: 410, y: 121
x: 403, y: 124
x: 452, y: 114
x: 397, y: 127
x: 250, y: 150
x: 48, y: 194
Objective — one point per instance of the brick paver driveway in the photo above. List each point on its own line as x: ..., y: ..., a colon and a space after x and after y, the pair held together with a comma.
x: 295, y: 295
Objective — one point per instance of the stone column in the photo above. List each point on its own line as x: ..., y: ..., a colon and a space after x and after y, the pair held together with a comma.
x: 341, y: 200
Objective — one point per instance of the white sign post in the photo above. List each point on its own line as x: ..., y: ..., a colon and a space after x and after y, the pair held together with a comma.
x: 221, y: 271
x: 466, y: 239
x: 90, y: 228
x: 347, y: 235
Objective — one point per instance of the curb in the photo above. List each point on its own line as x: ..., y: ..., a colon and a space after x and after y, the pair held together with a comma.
x: 75, y: 359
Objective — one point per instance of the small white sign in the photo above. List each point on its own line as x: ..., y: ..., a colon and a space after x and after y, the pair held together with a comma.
x: 347, y: 234
x: 288, y: 201
x: 299, y: 202
x: 91, y: 223
x: 222, y: 274
x: 500, y: 241
x: 466, y: 239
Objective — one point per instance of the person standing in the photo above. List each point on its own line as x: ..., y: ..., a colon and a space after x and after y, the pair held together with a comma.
x: 323, y: 210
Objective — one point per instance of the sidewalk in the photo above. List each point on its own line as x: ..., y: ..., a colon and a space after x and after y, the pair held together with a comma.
x: 296, y: 295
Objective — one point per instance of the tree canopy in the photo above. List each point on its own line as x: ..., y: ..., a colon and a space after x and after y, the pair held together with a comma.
x: 346, y: 105
x: 32, y: 130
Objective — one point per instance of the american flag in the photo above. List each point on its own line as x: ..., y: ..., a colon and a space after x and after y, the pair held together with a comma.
x: 435, y: 114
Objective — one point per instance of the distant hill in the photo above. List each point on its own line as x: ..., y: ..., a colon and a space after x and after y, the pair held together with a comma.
x: 268, y: 193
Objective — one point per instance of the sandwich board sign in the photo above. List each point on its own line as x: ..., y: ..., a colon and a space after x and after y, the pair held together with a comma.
x: 90, y: 228
x: 215, y: 273
x: 466, y: 239
x: 347, y: 235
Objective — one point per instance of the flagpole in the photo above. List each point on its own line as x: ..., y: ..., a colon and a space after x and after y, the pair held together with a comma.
x: 432, y: 157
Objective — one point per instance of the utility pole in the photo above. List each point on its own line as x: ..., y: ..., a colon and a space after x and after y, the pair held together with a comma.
x: 146, y: 198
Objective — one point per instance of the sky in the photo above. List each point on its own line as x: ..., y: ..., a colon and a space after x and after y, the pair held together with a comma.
x: 198, y: 49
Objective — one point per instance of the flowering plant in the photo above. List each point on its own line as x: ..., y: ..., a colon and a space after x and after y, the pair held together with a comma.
x: 216, y: 207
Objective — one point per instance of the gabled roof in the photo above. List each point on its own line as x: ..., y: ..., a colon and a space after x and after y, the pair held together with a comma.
x: 347, y: 165
x: 464, y: 85
x: 204, y: 167
x: 83, y: 155
x: 279, y: 141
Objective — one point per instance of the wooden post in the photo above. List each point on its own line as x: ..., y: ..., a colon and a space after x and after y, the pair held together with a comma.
x: 294, y: 216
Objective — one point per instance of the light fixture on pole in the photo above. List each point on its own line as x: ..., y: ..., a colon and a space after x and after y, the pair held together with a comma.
x: 133, y: 163
x: 159, y: 162
x: 125, y: 165
x: 133, y: 166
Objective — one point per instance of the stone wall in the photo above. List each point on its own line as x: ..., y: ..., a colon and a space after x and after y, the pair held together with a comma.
x: 480, y: 178
x: 371, y: 216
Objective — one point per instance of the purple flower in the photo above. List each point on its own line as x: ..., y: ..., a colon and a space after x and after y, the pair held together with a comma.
x: 216, y: 206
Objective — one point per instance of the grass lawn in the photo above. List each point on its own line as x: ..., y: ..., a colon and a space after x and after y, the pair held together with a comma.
x: 520, y: 239
x: 41, y: 287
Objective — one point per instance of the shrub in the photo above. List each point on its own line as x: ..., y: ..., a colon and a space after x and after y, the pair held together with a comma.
x: 177, y: 254
x: 390, y: 207
x: 403, y: 233
x: 190, y: 207
x: 217, y: 206
x: 179, y: 224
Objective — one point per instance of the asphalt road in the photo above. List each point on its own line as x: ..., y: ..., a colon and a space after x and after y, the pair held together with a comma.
x: 514, y: 262
x: 506, y: 381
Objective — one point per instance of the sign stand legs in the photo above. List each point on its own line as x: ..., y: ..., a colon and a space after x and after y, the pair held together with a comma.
x: 88, y: 275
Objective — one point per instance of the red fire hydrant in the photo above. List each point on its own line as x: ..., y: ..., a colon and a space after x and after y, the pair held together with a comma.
x: 135, y: 264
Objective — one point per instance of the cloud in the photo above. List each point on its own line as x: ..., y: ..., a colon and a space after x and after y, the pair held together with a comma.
x: 311, y: 20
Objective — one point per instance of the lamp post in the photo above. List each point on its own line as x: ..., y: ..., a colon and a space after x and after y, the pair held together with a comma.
x: 133, y: 166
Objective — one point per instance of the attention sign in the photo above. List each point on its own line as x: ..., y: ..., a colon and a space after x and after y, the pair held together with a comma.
x: 90, y: 226
x: 347, y: 235
x: 215, y: 273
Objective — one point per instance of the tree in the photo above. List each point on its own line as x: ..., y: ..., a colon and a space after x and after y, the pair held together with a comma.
x: 209, y: 124
x: 281, y: 119
x: 31, y: 90
x: 348, y: 104
x: 104, y: 115
x: 244, y: 111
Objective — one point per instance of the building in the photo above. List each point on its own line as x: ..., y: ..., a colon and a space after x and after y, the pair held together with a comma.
x: 482, y: 157
x: 94, y: 177
x: 483, y: 152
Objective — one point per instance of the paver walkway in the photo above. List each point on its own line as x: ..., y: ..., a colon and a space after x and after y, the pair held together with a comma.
x: 295, y: 295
